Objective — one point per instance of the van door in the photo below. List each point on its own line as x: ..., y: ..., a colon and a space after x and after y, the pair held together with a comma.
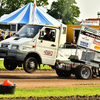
x: 48, y: 48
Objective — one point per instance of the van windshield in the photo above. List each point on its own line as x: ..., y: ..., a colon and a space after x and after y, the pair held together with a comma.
x: 29, y: 31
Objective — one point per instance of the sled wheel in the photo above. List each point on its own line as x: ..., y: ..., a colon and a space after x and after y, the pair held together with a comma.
x: 83, y: 72
x: 62, y: 73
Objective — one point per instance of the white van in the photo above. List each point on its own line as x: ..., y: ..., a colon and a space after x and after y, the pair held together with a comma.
x: 28, y: 48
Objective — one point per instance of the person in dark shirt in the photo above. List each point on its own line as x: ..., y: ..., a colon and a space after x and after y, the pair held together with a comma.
x: 48, y: 36
x: 9, y: 35
x: 73, y: 43
x: 1, y: 37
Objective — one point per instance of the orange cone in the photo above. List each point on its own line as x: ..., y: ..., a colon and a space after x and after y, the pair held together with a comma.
x: 8, y: 83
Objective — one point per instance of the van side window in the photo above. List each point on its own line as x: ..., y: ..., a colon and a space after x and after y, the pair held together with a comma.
x: 48, y: 35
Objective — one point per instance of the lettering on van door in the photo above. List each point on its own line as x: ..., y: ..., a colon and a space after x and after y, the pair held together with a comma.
x: 49, y: 53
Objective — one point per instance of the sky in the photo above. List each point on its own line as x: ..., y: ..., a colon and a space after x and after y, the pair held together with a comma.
x: 88, y: 8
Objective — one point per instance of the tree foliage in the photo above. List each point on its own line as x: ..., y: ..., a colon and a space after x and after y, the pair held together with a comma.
x: 2, y: 4
x: 65, y: 10
x: 8, y: 6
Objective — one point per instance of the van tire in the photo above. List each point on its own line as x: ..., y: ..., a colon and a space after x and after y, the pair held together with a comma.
x: 9, y: 65
x: 30, y: 64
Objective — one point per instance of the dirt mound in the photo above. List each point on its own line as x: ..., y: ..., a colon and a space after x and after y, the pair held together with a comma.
x: 95, y: 97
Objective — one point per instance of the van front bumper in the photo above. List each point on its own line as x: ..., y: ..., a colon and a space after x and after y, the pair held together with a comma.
x: 12, y: 54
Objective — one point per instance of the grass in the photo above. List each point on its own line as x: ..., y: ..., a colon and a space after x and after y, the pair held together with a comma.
x: 53, y: 92
x: 42, y: 66
x: 1, y: 64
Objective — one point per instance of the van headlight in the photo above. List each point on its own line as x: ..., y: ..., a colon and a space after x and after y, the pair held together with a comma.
x: 14, y: 47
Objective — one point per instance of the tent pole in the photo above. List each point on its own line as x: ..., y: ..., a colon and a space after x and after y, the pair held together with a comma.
x: 16, y: 28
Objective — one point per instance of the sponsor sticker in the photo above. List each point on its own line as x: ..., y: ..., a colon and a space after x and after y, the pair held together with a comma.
x: 96, y: 42
x: 85, y: 38
x: 97, y: 47
x: 85, y: 44
x: 91, y: 30
x: 49, y: 53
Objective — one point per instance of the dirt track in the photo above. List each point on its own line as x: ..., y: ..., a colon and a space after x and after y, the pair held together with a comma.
x: 45, y: 78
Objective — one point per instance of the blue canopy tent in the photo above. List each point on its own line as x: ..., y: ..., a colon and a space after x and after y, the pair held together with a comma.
x: 24, y: 16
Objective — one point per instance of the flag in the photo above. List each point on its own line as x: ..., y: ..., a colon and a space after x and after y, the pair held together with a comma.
x: 34, y: 12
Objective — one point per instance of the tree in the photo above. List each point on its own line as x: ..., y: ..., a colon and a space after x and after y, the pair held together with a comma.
x: 38, y: 2
x: 98, y: 14
x: 2, y: 4
x: 8, y: 6
x: 12, y: 5
x: 65, y: 10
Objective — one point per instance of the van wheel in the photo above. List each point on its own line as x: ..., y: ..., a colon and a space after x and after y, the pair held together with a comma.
x: 9, y: 65
x: 30, y: 65
x: 83, y: 72
x: 62, y: 73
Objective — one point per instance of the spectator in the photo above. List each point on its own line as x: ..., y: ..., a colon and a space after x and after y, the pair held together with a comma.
x: 1, y: 37
x: 5, y: 35
x: 9, y: 35
x: 73, y: 43
x: 14, y: 33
